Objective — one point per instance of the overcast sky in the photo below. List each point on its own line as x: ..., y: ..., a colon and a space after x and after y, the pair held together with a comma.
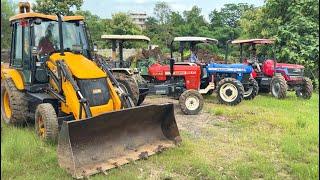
x: 105, y: 8
x: 108, y: 7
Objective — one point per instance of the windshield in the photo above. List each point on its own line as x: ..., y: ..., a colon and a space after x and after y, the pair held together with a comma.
x: 47, y: 37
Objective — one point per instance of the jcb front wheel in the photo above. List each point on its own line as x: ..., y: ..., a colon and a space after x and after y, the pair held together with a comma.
x: 46, y: 122
x: 191, y: 102
x: 14, y: 106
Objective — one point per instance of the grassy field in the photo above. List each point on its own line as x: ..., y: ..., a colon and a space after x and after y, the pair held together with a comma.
x: 264, y: 138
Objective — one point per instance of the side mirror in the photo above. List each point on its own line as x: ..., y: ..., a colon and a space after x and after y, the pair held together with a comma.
x: 34, y: 51
x: 95, y: 47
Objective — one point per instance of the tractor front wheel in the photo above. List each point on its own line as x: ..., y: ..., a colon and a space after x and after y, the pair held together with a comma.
x: 230, y: 91
x: 279, y: 86
x: 46, y: 122
x: 191, y: 102
x: 306, y: 90
x: 251, y: 90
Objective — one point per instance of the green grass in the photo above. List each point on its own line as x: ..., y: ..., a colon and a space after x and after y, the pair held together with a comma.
x: 264, y: 138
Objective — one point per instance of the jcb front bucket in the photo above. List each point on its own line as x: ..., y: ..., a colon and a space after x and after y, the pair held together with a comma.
x: 93, y: 145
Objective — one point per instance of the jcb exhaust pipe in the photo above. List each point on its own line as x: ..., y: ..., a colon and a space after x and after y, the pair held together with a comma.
x: 96, y: 144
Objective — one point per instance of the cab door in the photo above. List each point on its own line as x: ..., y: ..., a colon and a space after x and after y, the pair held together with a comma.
x: 20, y: 49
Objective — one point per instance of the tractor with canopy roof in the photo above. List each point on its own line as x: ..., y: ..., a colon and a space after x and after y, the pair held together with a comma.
x: 271, y: 75
x: 125, y: 71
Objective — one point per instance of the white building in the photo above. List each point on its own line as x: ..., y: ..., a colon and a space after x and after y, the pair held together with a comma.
x: 139, y: 19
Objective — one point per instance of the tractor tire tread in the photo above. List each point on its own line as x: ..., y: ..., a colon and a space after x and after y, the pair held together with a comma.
x: 283, y: 86
x: 255, y: 89
x: 238, y: 85
x: 130, y: 83
x: 183, y: 98
x: 307, y: 89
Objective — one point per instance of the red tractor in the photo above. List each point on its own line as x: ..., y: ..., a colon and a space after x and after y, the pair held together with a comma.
x: 275, y: 77
x: 178, y: 81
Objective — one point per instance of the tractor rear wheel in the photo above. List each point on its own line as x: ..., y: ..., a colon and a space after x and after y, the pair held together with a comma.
x: 14, y: 106
x: 279, y: 86
x: 129, y: 85
x: 251, y: 90
x: 46, y: 122
x: 306, y: 90
x: 230, y: 91
x: 191, y: 102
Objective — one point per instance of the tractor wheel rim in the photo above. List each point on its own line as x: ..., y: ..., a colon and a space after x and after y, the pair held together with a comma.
x: 225, y: 92
x: 192, y: 103
x: 6, y: 105
x: 276, y: 89
x: 41, y: 128
x: 248, y: 92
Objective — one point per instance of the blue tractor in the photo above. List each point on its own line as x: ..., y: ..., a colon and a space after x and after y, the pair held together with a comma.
x: 233, y: 73
x: 232, y: 82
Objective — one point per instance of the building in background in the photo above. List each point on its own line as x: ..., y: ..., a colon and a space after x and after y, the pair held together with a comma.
x: 139, y: 19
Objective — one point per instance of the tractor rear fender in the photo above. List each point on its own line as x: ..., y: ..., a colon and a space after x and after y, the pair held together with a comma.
x: 7, y: 73
x: 126, y: 71
x: 210, y: 86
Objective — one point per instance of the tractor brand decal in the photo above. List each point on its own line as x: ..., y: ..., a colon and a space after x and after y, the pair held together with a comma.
x: 226, y: 69
x: 296, y: 70
x: 181, y: 73
x: 157, y: 73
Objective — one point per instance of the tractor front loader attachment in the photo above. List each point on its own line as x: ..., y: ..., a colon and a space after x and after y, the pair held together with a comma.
x: 109, y: 140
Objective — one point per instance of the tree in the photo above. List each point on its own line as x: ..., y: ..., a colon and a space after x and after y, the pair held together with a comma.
x: 194, y: 16
x: 7, y: 10
x: 122, y: 24
x: 229, y: 15
x: 96, y: 26
x: 294, y: 25
x: 162, y: 12
x: 64, y: 7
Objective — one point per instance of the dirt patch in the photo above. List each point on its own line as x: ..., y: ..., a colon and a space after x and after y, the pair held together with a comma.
x: 194, y: 124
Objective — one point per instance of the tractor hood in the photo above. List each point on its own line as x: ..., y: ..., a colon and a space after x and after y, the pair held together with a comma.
x: 79, y: 65
x: 229, y: 68
x: 289, y: 66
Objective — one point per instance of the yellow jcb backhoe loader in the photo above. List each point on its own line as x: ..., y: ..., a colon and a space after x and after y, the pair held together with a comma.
x: 73, y: 98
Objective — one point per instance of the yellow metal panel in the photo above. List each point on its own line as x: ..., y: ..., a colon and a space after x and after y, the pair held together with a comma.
x: 80, y: 66
x: 97, y: 110
x: 14, y: 75
x: 72, y: 103
x: 114, y: 96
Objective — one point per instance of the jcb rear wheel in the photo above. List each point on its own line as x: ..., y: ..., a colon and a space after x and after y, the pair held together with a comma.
x: 14, y: 106
x: 306, y: 91
x: 279, y: 86
x: 129, y: 85
x: 46, y: 122
x: 191, y: 102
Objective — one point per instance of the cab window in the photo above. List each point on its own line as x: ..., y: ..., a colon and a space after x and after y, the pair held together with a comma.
x: 17, y: 55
